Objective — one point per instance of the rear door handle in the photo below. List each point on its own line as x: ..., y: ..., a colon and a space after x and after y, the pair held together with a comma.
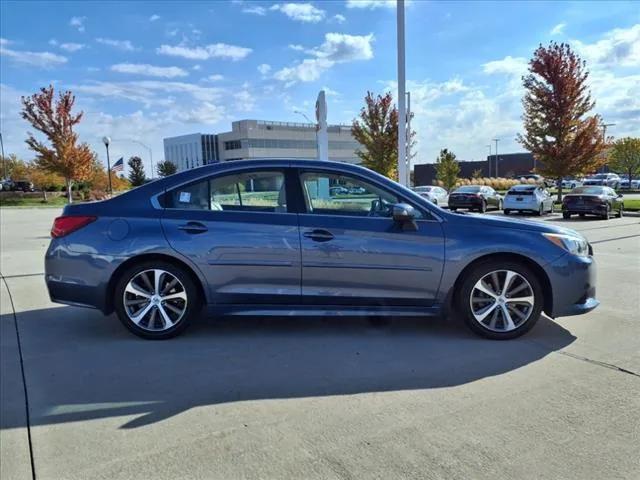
x: 319, y: 235
x: 193, y: 227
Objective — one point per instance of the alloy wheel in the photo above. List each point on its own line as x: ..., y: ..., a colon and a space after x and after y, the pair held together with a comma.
x: 155, y: 300
x: 502, y: 300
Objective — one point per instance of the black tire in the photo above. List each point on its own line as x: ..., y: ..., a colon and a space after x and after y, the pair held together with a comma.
x: 500, y: 205
x: 435, y: 201
x: 582, y: 215
x: 621, y: 211
x: 193, y: 304
x: 483, y: 207
x: 507, y: 211
x: 566, y: 215
x: 453, y: 209
x: 607, y: 214
x: 479, y: 271
x: 540, y: 211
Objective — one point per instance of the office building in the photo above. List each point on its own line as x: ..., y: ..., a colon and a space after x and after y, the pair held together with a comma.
x: 260, y: 139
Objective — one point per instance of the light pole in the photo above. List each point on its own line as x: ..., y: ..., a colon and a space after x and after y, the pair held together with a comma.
x: 496, y: 140
x: 402, y: 110
x: 489, y: 160
x: 4, y: 160
x: 299, y: 112
x: 408, y: 139
x: 604, y: 137
x: 106, y: 140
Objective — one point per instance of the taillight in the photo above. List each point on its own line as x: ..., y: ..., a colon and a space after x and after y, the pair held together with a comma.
x: 65, y: 225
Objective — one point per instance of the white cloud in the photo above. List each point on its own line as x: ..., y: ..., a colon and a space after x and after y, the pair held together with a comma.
x: 339, y: 18
x: 72, y: 47
x: 149, y: 70
x: 255, y: 10
x: 216, y: 77
x: 619, y: 47
x: 371, y: 4
x: 300, y: 12
x: 196, y: 68
x: 245, y: 101
x: 297, y: 48
x: 78, y: 22
x: 154, y: 17
x: 125, y: 45
x: 330, y: 93
x: 33, y: 59
x: 264, y: 68
x: 336, y: 48
x: 558, y: 29
x: 509, y: 65
x: 217, y: 50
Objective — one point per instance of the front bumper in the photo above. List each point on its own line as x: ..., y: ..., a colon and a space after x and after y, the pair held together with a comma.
x: 573, y: 283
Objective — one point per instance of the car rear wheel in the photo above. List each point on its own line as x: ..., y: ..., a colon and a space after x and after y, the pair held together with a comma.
x: 541, y: 210
x: 507, y: 211
x: 156, y: 300
x: 483, y: 207
x: 566, y: 215
x: 621, y: 211
x: 607, y: 213
x: 501, y: 300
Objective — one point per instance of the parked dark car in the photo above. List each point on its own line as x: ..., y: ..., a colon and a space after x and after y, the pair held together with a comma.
x: 475, y: 197
x: 23, y: 186
x: 263, y: 237
x: 592, y: 200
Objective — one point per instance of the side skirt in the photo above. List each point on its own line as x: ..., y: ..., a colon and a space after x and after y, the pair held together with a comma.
x: 322, y: 311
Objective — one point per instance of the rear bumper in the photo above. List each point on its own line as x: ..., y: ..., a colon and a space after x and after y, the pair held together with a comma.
x: 573, y: 283
x: 524, y: 205
x: 465, y: 203
x: 594, y: 209
x: 79, y: 279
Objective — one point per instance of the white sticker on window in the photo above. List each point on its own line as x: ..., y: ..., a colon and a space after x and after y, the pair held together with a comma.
x: 185, y: 197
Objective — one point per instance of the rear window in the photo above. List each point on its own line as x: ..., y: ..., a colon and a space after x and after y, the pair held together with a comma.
x: 588, y: 190
x: 468, y: 189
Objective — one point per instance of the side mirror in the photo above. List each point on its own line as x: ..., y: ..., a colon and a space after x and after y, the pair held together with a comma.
x: 405, y: 215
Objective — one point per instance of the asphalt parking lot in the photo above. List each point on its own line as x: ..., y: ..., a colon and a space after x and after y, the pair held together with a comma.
x: 310, y: 398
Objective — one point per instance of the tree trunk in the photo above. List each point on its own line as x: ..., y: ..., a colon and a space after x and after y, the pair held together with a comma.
x: 560, y: 189
x: 69, y: 194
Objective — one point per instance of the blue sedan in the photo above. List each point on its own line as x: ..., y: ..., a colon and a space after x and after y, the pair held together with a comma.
x: 272, y: 237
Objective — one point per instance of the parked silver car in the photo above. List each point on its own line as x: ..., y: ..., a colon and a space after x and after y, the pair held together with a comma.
x: 530, y: 198
x: 436, y: 195
x: 603, y: 179
x: 571, y: 183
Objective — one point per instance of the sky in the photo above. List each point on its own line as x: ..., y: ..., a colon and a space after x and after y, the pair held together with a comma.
x: 143, y: 71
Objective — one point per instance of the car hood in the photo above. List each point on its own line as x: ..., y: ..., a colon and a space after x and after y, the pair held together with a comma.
x: 501, y: 222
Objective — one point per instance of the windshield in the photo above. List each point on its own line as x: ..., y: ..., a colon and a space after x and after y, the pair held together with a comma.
x: 422, y: 189
x: 589, y: 190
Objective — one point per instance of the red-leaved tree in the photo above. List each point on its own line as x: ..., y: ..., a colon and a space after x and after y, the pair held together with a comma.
x: 559, y: 131
x: 55, y: 120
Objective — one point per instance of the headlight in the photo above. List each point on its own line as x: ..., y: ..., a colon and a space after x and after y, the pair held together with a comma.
x: 573, y: 244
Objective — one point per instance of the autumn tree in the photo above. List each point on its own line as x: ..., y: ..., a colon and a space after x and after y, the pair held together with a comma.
x: 447, y: 169
x: 166, y: 168
x: 44, y: 180
x: 54, y: 119
x: 625, y: 156
x: 377, y: 132
x: 559, y: 131
x: 137, y: 176
x: 16, y: 168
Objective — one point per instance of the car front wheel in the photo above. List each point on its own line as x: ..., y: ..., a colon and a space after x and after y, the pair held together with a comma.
x: 156, y: 300
x: 501, y: 300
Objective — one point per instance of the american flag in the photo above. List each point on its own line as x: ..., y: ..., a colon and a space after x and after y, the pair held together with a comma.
x: 118, y: 166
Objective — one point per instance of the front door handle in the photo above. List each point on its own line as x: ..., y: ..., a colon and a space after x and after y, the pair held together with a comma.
x: 319, y: 235
x: 193, y: 227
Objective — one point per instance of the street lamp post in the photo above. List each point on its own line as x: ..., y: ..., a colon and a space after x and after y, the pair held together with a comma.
x: 299, y: 112
x: 402, y: 110
x: 107, y: 141
x: 496, y: 140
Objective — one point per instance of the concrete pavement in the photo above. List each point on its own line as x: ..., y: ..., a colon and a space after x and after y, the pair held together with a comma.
x: 311, y: 398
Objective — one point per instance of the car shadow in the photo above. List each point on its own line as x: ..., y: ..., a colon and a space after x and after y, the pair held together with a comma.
x: 80, y: 365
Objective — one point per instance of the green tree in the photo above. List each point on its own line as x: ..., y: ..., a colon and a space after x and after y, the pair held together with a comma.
x: 137, y: 176
x: 625, y: 156
x: 377, y: 132
x: 166, y: 168
x: 447, y: 169
x: 559, y: 131
x: 54, y: 119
